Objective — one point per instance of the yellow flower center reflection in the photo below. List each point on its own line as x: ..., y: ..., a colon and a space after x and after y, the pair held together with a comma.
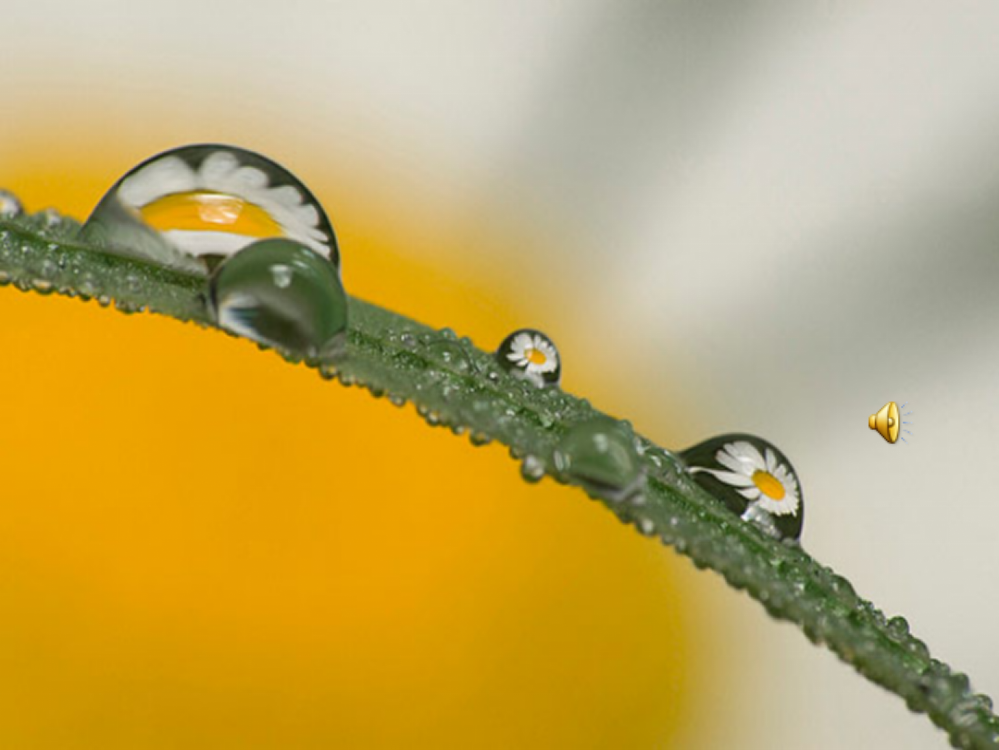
x: 768, y: 484
x: 210, y: 211
x: 536, y: 356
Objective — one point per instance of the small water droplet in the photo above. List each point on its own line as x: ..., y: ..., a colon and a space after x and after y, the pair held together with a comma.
x: 532, y: 468
x: 192, y: 207
x: 532, y: 356
x: 753, y: 479
x: 600, y: 455
x: 48, y: 269
x: 305, y: 315
x: 479, y: 439
x: 10, y: 206
x: 408, y: 340
x: 898, y: 627
x: 88, y: 286
x: 647, y: 526
x: 451, y: 353
x: 396, y: 400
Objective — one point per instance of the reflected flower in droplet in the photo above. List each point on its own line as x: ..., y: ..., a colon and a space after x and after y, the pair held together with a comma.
x: 531, y: 355
x: 193, y: 206
x: 754, y: 480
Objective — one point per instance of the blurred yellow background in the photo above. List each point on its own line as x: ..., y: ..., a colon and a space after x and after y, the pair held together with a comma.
x: 205, y: 547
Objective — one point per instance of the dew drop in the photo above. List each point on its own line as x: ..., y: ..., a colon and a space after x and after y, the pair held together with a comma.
x: 600, y: 455
x: 753, y: 479
x: 532, y: 469
x: 532, y: 356
x: 301, y: 308
x: 478, y: 439
x: 898, y: 627
x: 192, y: 207
x: 451, y: 353
x: 10, y: 206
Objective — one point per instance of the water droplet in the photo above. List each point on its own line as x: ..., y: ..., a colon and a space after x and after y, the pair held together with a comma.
x: 451, y: 353
x: 192, y: 207
x: 301, y: 309
x: 530, y: 355
x: 600, y: 455
x: 479, y: 439
x: 754, y: 480
x: 532, y: 469
x: 898, y: 627
x: 10, y: 206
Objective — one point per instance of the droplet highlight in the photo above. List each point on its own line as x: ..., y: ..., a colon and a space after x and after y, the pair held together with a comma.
x: 532, y: 356
x: 194, y: 206
x: 282, y: 294
x: 600, y: 455
x: 753, y: 479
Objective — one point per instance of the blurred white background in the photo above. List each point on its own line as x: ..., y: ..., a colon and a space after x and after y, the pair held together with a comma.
x: 790, y: 208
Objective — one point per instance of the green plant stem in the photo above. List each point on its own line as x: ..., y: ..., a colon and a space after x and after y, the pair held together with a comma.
x: 456, y: 385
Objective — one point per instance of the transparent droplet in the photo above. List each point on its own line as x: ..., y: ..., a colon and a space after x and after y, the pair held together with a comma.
x: 753, y: 479
x: 193, y: 206
x: 530, y: 355
x: 600, y: 455
x: 282, y: 294
x: 10, y: 206
x: 532, y: 469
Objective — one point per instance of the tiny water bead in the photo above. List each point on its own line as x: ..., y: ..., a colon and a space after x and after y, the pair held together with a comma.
x: 10, y: 206
x: 754, y: 480
x: 282, y: 294
x: 531, y: 355
x: 600, y: 454
x: 193, y: 206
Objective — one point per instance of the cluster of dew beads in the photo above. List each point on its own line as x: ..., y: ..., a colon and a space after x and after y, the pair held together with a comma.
x: 599, y: 454
x: 251, y: 225
x: 753, y: 479
x: 532, y: 356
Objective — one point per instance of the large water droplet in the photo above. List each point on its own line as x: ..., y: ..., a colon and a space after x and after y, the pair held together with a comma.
x: 600, y: 455
x: 193, y: 206
x: 530, y: 355
x: 10, y: 206
x: 282, y: 294
x: 754, y: 480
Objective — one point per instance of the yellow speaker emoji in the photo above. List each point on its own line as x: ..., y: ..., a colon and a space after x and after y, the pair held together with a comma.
x: 886, y: 422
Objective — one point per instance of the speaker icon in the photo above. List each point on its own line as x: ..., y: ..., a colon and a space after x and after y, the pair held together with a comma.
x: 888, y: 423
